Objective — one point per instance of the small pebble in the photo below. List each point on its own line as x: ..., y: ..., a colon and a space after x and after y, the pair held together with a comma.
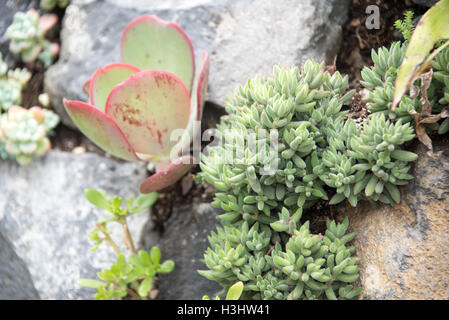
x: 79, y: 150
x: 151, y: 167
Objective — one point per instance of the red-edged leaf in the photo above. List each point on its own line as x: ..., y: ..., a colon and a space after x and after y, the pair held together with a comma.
x: 100, y: 128
x: 105, y: 79
x: 202, y: 83
x: 46, y: 22
x: 168, y: 176
x: 86, y: 87
x: 196, y: 102
x: 151, y: 43
x: 148, y: 107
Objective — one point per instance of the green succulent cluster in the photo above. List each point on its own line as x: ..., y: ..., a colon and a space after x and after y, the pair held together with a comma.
x: 441, y: 87
x: 307, y: 267
x: 310, y: 148
x: 137, y: 273
x: 319, y: 149
x: 380, y: 80
x: 51, y: 4
x: 27, y: 35
x: 12, y: 83
x: 24, y: 133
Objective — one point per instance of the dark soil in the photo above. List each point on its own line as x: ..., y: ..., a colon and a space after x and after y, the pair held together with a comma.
x: 358, y: 40
x: 181, y: 193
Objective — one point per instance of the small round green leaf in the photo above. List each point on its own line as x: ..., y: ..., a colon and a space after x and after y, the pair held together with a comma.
x: 145, y: 286
x: 167, y: 267
x: 97, y: 198
x: 91, y: 283
x: 235, y: 291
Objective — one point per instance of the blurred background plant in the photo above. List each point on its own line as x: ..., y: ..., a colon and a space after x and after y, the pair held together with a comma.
x: 12, y: 82
x: 49, y: 5
x: 27, y: 35
x: 262, y: 241
x: 24, y: 133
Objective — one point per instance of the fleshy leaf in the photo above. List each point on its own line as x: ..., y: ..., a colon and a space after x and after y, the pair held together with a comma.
x: 148, y: 106
x: 235, y: 291
x: 202, y: 83
x: 46, y: 22
x: 433, y: 26
x: 31, y: 54
x: 145, y: 286
x: 100, y: 128
x: 170, y: 175
x: 91, y: 283
x: 151, y: 43
x: 196, y: 102
x: 144, y: 201
x: 97, y: 198
x: 105, y: 79
x: 86, y: 87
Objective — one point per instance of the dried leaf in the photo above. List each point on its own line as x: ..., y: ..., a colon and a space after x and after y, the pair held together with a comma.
x: 426, y: 79
x: 421, y: 132
x: 436, y: 118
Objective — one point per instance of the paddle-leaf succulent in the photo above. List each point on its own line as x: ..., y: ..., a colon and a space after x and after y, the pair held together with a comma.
x: 136, y: 106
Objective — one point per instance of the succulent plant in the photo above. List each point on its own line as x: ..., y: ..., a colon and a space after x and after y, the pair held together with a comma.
x: 12, y: 83
x: 234, y: 292
x: 131, y: 276
x: 136, y: 106
x: 143, y: 267
x: 307, y: 267
x: 51, y: 4
x: 319, y: 149
x: 380, y: 80
x: 27, y: 35
x: 441, y: 75
x: 23, y: 132
x: 285, y: 143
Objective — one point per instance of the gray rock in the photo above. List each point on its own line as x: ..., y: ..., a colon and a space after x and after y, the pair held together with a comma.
x: 45, y: 216
x: 243, y: 37
x: 15, y: 279
x: 185, y: 241
x: 427, y: 3
x: 253, y: 36
x: 8, y: 9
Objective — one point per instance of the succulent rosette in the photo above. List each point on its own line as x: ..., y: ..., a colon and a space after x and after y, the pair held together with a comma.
x: 27, y: 35
x: 137, y: 105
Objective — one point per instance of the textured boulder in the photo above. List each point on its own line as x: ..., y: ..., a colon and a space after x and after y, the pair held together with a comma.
x: 15, y: 280
x: 46, y: 218
x: 404, y: 250
x: 185, y: 241
x: 243, y: 37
